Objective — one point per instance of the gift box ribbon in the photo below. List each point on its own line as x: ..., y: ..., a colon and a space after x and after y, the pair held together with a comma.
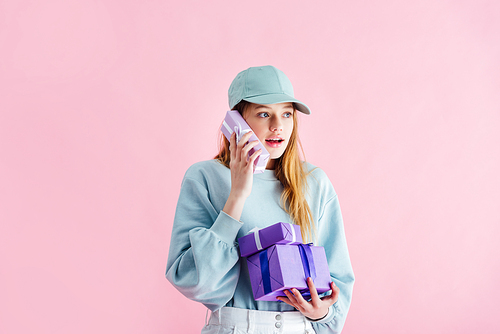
x: 307, y: 261
x: 237, y: 130
x: 256, y: 235
x: 264, y: 269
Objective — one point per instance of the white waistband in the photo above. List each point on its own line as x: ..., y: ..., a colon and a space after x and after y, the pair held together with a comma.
x: 249, y: 319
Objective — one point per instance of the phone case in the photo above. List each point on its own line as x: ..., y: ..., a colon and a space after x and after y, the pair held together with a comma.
x: 234, y: 122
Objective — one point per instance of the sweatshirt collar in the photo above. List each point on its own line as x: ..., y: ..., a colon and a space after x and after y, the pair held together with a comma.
x: 267, y: 175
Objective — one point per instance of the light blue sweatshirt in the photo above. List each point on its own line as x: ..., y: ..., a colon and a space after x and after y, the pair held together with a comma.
x: 204, y: 262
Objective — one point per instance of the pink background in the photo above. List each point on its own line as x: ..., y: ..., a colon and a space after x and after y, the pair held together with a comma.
x: 104, y: 105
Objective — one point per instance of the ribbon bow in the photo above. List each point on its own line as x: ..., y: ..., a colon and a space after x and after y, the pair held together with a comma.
x: 237, y: 129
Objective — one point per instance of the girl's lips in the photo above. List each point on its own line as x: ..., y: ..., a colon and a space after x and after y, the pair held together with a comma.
x: 274, y: 142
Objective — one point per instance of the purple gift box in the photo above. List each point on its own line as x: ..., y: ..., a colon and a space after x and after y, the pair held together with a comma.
x: 235, y: 122
x: 279, y: 233
x: 281, y: 267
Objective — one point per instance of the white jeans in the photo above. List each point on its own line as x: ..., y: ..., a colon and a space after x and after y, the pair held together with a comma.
x: 229, y: 320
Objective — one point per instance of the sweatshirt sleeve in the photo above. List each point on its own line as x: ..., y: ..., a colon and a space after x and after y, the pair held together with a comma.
x: 203, y: 259
x: 332, y: 237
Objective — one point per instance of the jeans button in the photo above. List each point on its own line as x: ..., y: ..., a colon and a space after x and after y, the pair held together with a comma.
x: 278, y: 317
x: 278, y: 324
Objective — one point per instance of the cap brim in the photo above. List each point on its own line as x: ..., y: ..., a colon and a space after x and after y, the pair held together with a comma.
x: 278, y: 98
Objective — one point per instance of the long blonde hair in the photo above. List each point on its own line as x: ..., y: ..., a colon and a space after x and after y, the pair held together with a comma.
x: 291, y: 172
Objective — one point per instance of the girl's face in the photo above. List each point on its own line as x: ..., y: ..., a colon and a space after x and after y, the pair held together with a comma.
x: 273, y: 125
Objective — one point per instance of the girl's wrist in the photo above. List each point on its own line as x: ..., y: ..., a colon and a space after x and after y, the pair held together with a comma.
x: 234, y: 206
x: 237, y: 196
x: 323, y: 317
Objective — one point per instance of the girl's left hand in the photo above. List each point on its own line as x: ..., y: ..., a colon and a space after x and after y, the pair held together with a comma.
x: 317, y: 308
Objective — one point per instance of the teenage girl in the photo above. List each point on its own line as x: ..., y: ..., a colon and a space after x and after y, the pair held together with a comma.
x: 221, y: 200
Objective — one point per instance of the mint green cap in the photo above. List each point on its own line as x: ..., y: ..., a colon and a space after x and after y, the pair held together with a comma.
x: 263, y: 85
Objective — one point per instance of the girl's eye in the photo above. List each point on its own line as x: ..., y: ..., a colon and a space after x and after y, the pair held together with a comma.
x: 263, y: 114
x: 287, y: 114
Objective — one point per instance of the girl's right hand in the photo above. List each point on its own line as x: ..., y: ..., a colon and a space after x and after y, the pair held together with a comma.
x: 241, y: 173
